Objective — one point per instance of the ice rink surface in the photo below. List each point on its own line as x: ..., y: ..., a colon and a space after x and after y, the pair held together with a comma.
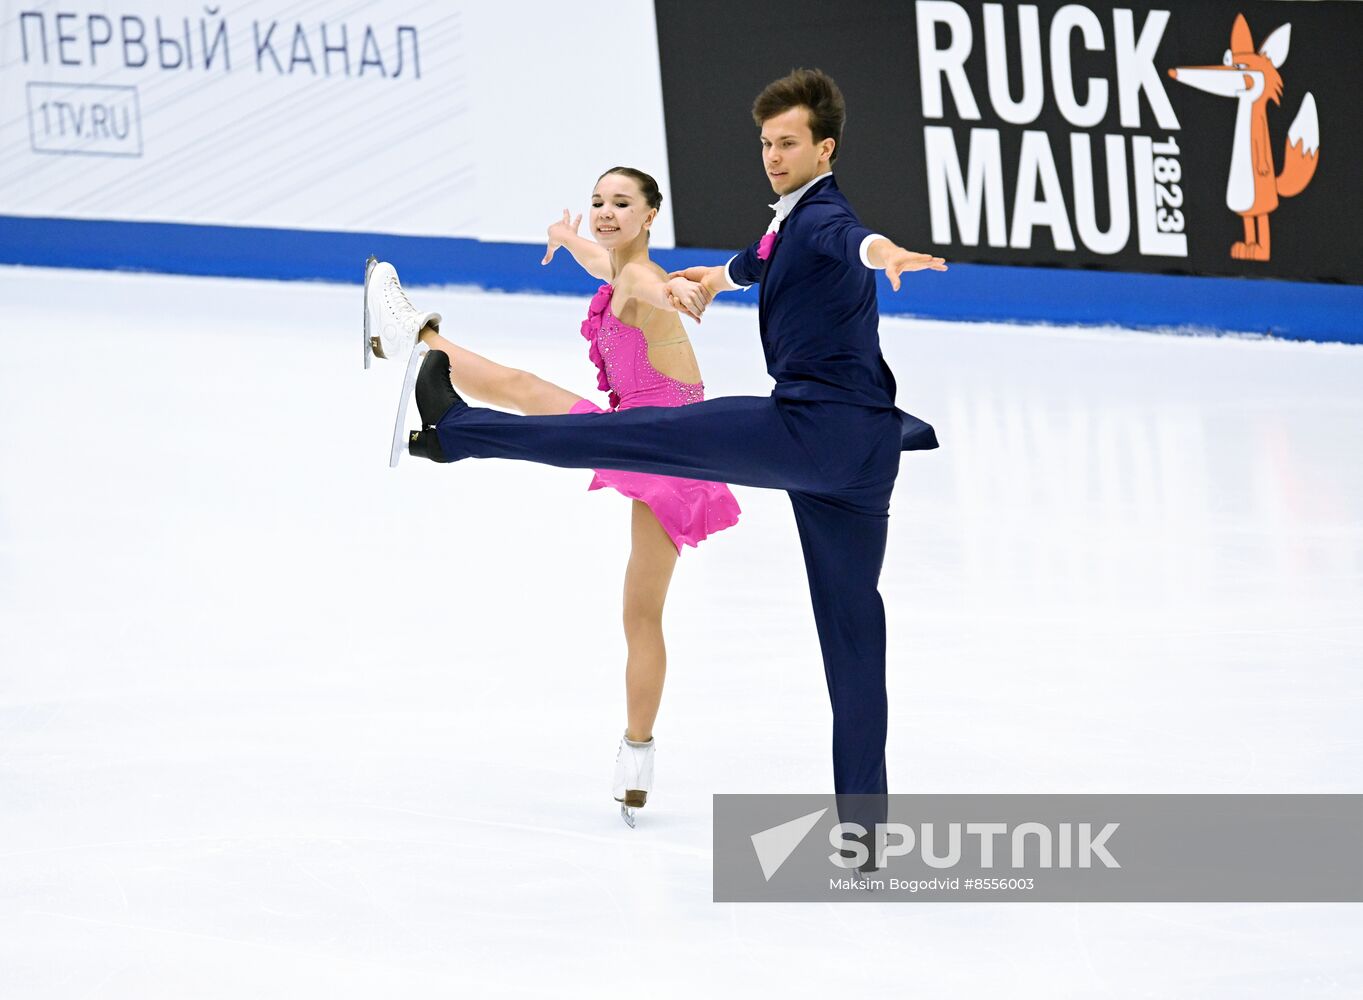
x: 277, y: 721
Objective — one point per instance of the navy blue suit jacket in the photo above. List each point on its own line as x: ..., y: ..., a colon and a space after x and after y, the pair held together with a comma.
x: 817, y: 307
x: 817, y: 310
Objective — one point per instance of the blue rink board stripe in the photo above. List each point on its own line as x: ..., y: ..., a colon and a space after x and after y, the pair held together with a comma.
x: 979, y: 292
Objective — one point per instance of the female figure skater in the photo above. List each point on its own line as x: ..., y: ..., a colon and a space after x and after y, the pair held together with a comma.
x: 643, y: 358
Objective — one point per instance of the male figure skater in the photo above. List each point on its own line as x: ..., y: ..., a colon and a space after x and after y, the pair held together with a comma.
x: 829, y: 434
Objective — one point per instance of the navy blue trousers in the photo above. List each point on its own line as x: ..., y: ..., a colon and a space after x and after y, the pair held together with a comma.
x: 838, y: 463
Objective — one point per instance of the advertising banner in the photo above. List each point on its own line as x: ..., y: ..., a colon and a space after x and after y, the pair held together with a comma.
x: 413, y: 117
x: 1204, y: 137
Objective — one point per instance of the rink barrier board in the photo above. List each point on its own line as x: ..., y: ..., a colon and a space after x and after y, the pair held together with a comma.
x: 968, y: 292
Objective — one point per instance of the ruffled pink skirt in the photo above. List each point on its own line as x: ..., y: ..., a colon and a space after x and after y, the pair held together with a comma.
x: 688, y: 509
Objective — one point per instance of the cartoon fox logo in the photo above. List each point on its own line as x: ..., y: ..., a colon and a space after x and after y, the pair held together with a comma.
x: 1252, y: 78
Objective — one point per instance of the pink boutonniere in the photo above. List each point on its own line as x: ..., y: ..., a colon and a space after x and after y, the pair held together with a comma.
x: 764, y: 246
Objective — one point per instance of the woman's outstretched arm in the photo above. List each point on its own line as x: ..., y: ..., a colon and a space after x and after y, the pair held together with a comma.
x: 591, y: 257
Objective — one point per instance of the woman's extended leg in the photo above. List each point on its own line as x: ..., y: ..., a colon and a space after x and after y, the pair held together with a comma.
x: 653, y: 556
x: 510, y: 388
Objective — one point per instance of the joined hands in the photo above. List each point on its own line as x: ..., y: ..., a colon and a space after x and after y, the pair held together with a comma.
x: 688, y: 296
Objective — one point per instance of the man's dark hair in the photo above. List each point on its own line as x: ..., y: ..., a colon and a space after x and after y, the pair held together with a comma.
x: 807, y: 88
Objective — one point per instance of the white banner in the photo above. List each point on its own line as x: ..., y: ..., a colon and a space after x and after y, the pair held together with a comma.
x: 414, y: 118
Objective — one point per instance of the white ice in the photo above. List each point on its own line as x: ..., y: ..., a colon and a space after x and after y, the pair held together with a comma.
x: 277, y: 721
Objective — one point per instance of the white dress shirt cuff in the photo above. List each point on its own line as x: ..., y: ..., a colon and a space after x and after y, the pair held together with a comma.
x: 729, y: 277
x: 866, y: 248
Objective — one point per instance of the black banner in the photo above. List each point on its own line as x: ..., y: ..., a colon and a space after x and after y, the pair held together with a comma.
x: 1126, y: 136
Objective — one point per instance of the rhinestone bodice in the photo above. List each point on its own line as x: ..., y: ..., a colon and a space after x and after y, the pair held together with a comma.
x: 620, y: 353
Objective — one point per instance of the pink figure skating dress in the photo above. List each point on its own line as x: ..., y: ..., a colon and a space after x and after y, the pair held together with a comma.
x: 688, y: 509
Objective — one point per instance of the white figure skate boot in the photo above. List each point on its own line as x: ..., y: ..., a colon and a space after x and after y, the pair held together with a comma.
x: 633, y: 776
x: 391, y: 323
x: 392, y: 327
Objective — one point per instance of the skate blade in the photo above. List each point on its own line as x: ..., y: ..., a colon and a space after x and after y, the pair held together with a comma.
x: 368, y: 348
x: 627, y: 814
x: 399, y: 442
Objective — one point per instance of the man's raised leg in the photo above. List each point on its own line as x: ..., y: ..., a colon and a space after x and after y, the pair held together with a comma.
x: 743, y: 440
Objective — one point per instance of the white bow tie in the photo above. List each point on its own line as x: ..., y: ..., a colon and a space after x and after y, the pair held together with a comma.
x: 781, y: 212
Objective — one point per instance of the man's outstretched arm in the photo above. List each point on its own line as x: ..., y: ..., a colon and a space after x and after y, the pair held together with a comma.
x: 874, y: 250
x: 894, y: 260
x: 839, y: 235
